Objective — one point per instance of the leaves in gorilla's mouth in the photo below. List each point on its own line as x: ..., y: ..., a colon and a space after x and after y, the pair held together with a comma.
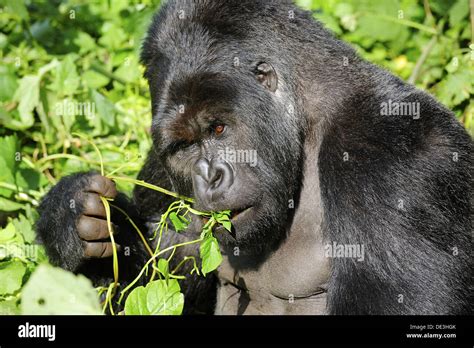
x: 234, y: 213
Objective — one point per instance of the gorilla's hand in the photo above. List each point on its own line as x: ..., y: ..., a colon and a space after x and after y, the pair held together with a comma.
x: 72, y: 222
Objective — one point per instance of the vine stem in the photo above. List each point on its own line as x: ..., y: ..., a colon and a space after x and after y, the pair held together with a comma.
x: 105, y: 202
x: 129, y: 286
x: 421, y: 60
x: 142, y: 237
x: 151, y: 186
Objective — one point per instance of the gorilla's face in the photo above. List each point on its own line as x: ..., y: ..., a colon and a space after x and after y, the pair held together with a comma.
x: 231, y: 143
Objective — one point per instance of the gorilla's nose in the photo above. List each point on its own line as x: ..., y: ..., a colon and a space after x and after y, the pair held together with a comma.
x: 212, y: 179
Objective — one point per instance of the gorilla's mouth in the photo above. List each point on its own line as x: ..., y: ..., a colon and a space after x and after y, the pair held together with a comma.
x: 238, y: 212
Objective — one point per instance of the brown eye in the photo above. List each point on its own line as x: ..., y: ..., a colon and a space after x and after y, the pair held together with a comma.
x: 219, y: 129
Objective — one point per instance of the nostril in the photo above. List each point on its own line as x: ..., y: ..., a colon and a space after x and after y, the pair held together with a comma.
x: 216, y: 180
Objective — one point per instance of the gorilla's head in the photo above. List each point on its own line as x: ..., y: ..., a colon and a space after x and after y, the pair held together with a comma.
x: 225, y: 122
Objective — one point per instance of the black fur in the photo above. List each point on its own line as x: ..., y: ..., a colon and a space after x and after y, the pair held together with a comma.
x: 368, y: 163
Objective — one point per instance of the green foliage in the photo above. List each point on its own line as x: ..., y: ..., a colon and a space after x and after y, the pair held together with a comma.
x: 67, y: 66
x: 54, y: 291
x: 19, y: 257
x: 160, y: 297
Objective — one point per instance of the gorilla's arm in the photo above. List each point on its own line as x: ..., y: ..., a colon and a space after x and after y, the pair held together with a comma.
x: 73, y: 230
x: 399, y: 186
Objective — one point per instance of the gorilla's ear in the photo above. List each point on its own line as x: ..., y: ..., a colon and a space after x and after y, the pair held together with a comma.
x: 267, y: 76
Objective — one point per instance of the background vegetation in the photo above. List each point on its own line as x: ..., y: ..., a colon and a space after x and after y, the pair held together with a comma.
x: 60, y: 58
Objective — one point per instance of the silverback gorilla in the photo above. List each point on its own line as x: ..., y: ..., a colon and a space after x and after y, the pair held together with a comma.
x: 349, y: 158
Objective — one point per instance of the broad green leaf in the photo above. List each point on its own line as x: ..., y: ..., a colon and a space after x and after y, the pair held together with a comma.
x: 7, y: 233
x: 160, y: 297
x: 18, y: 8
x: 456, y: 88
x: 163, y: 267
x: 11, y: 275
x: 27, y: 178
x: 8, y: 83
x: 85, y: 42
x: 210, y: 254
x: 165, y: 297
x: 458, y: 11
x: 136, y: 303
x: 51, y: 290
x: 8, y: 205
x: 112, y: 36
x: 66, y: 79
x: 27, y: 95
x: 129, y: 69
x: 227, y: 225
x: 94, y: 80
x: 105, y: 111
x: 24, y: 227
x: 8, y: 146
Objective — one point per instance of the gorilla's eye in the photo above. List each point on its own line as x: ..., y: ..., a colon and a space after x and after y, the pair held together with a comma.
x: 218, y: 129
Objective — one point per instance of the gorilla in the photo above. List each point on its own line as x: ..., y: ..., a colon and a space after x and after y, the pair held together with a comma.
x: 360, y: 198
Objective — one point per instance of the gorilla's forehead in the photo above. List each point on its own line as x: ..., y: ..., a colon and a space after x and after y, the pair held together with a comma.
x: 199, y: 31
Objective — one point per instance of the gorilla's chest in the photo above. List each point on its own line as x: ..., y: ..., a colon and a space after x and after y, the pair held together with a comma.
x: 293, y: 280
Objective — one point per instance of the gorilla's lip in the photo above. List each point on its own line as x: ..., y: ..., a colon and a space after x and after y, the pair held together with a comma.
x: 238, y: 212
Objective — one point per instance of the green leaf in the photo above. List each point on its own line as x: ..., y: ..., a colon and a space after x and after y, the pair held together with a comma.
x: 178, y: 221
x: 160, y: 297
x: 94, y: 80
x: 7, y: 233
x: 7, y: 205
x: 18, y: 8
x: 8, y: 146
x: 210, y: 254
x: 456, y: 87
x: 66, y: 79
x: 112, y: 36
x: 8, y: 83
x: 85, y: 42
x: 24, y: 227
x: 11, y: 275
x: 27, y: 95
x: 163, y: 267
x: 27, y: 178
x: 9, y: 307
x: 52, y: 290
x: 105, y: 110
x: 136, y: 303
x: 223, y: 218
x: 458, y: 12
x: 227, y: 225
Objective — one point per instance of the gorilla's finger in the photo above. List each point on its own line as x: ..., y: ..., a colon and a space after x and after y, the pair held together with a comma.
x: 93, y: 206
x: 98, y: 249
x: 90, y: 228
x: 102, y: 185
